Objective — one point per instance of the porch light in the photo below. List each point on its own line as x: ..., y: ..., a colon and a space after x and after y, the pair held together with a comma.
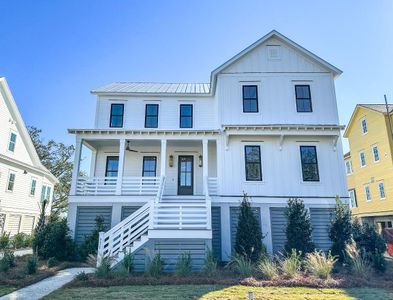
x: 171, y: 160
x: 200, y: 160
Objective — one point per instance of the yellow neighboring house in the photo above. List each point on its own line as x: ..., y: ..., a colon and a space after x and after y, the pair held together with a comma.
x: 369, y: 164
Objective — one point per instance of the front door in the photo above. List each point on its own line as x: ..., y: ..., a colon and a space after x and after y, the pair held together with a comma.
x: 185, y: 185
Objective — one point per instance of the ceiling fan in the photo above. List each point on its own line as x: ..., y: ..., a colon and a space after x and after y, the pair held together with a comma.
x: 129, y: 149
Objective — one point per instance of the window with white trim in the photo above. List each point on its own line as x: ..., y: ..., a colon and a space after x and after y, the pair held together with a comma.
x: 33, y: 186
x: 381, y: 189
x: 45, y: 193
x: 362, y: 158
x: 348, y: 167
x: 11, y: 181
x: 363, y: 123
x: 352, y: 198
x: 12, y: 142
x: 367, y: 192
x: 375, y: 153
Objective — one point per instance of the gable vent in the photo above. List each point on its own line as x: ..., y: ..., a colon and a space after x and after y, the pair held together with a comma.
x: 273, y: 52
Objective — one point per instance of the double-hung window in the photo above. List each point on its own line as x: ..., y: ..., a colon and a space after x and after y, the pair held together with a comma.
x: 308, y: 155
x: 112, y: 166
x: 151, y: 116
x: 303, y: 98
x: 367, y: 192
x: 117, y: 115
x: 362, y: 158
x: 352, y: 198
x: 364, y: 125
x: 253, y: 163
x: 149, y: 166
x: 33, y: 187
x: 375, y: 153
x: 186, y: 115
x: 381, y: 189
x: 348, y: 167
x: 250, y: 98
x: 11, y: 181
x: 12, y: 142
x: 45, y: 193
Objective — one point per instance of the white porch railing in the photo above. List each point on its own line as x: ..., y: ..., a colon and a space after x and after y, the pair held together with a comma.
x: 212, y: 183
x: 97, y: 186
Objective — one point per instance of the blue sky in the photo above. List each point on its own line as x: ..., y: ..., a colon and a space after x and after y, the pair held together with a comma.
x: 54, y: 52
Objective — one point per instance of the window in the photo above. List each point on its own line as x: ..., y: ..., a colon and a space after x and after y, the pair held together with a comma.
x: 352, y: 198
x: 151, y: 116
x: 12, y: 142
x: 375, y: 153
x: 112, y: 166
x: 362, y: 158
x: 11, y: 182
x: 33, y: 187
x: 381, y: 188
x: 253, y: 163
x: 303, y: 98
x: 45, y: 193
x: 149, y: 166
x: 309, y: 160
x: 367, y: 192
x: 185, y: 115
x: 348, y: 167
x: 364, y: 126
x: 117, y: 113
x: 250, y: 99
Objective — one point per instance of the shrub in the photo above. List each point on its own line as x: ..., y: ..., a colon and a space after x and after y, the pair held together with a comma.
x: 241, y: 265
x: 268, y: 268
x: 18, y: 240
x: 210, y: 267
x: 90, y: 244
x: 4, y: 241
x: 82, y: 276
x: 52, y: 261
x: 31, y: 264
x: 28, y: 242
x: 248, y: 235
x: 298, y: 230
x: 128, y: 262
x: 291, y: 265
x: 54, y: 240
x: 104, y: 269
x: 319, y: 264
x: 357, y: 263
x: 378, y: 262
x: 156, y: 265
x: 184, y: 264
x: 7, y: 261
x: 340, y: 230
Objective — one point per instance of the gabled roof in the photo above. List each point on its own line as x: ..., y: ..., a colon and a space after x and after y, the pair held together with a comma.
x: 205, y: 88
x: 379, y: 108
x: 14, y: 111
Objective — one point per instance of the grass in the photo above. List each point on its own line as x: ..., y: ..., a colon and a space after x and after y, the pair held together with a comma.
x: 6, y: 289
x: 216, y: 292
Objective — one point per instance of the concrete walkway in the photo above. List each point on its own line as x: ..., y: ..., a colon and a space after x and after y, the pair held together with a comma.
x: 20, y: 252
x: 46, y: 286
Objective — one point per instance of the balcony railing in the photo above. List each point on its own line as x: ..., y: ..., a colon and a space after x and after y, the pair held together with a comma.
x: 97, y: 186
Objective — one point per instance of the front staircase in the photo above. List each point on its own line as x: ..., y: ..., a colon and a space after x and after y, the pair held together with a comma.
x: 163, y: 216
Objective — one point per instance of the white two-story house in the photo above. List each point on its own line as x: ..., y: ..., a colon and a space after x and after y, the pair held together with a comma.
x: 170, y: 161
x: 24, y: 181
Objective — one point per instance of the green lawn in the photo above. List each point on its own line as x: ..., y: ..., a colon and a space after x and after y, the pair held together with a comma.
x: 217, y: 292
x: 6, y: 289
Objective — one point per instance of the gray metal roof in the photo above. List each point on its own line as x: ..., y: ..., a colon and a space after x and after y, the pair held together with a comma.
x: 153, y: 88
x: 378, y: 107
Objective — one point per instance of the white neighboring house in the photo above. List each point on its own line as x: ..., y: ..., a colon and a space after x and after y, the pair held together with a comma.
x: 24, y: 181
x: 170, y: 162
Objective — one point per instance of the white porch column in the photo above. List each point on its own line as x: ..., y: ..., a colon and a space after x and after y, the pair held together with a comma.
x: 266, y: 228
x: 205, y: 161
x: 122, y: 150
x: 93, y: 163
x: 163, y: 158
x: 77, y: 160
x: 219, y: 157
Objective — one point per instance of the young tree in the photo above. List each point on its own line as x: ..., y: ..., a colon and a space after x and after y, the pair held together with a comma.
x: 340, y: 230
x: 299, y: 229
x: 248, y: 235
x: 56, y: 157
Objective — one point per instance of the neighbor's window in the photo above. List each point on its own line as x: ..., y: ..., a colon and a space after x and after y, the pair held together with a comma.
x: 367, y: 192
x: 11, y: 182
x: 381, y: 188
x: 33, y: 187
x: 375, y: 153
x: 185, y: 115
x: 253, y: 163
x: 149, y: 166
x: 352, y: 198
x: 117, y: 115
x: 45, y: 193
x: 112, y: 166
x: 362, y: 158
x: 303, y: 98
x: 309, y: 160
x: 250, y: 98
x: 12, y: 142
x: 364, y: 126
x: 151, y: 116
x: 348, y: 167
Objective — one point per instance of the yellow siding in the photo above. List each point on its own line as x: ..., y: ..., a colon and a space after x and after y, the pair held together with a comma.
x: 378, y: 134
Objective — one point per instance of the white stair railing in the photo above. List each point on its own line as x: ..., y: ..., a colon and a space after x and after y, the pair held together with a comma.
x: 208, y: 203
